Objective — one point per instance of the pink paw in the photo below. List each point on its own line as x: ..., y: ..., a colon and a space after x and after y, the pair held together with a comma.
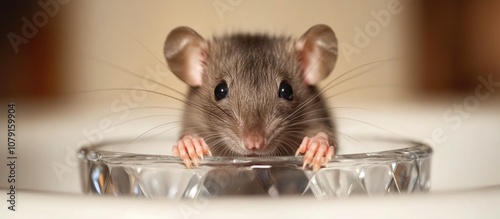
x: 191, y: 149
x: 316, y: 150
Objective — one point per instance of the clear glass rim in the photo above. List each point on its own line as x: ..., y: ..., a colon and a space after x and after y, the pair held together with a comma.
x: 414, y: 150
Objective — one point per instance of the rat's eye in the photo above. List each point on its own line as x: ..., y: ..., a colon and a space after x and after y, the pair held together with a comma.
x: 285, y: 91
x: 221, y: 91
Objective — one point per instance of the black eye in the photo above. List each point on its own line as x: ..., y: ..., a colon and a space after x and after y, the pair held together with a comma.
x: 221, y: 91
x: 285, y: 91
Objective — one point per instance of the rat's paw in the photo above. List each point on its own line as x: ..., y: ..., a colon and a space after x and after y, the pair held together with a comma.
x: 316, y: 150
x: 190, y: 149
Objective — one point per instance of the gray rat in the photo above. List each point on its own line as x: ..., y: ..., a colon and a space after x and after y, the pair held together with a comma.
x: 254, y: 94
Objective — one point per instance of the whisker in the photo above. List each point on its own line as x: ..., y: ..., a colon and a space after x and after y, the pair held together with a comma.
x: 363, y: 87
x: 139, y: 118
x: 144, y: 133
x: 319, y: 119
x: 303, y: 104
x: 327, y: 108
x: 126, y: 89
x: 194, y: 105
x: 372, y: 125
x: 359, y: 67
x: 166, y: 130
x: 134, y: 74
x: 143, y: 107
x: 288, y: 143
x: 350, y: 137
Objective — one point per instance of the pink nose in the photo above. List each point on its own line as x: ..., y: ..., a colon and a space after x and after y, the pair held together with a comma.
x: 254, y: 141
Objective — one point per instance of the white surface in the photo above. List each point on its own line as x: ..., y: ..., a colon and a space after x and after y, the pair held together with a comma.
x: 481, y: 203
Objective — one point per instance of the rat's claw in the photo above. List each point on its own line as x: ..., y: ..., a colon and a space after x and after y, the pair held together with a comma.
x: 190, y: 149
x: 316, y: 150
x: 204, y: 147
x: 302, y: 147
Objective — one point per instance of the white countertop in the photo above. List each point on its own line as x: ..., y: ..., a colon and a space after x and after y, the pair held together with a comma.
x: 479, y: 203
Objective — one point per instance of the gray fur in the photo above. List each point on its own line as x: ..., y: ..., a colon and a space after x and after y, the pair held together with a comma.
x: 253, y: 67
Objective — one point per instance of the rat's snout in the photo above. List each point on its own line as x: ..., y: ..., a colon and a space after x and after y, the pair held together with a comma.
x: 254, y: 141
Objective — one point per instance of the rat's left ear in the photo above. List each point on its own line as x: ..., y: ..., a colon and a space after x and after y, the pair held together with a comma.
x: 186, y: 53
x: 317, y: 50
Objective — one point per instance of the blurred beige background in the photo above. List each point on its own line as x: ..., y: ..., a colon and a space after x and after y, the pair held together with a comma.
x: 441, y: 47
x: 107, y: 30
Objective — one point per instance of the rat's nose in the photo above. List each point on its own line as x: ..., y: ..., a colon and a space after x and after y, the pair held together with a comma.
x: 254, y: 141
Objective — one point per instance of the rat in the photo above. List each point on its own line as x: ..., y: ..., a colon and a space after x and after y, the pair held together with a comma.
x: 254, y: 94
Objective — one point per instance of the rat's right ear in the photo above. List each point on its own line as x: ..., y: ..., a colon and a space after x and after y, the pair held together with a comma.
x: 186, y: 53
x: 317, y: 52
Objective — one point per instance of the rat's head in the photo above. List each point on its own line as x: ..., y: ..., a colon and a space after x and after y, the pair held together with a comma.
x: 249, y: 92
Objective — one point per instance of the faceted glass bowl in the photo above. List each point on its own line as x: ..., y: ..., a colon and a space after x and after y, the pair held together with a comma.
x: 389, y: 166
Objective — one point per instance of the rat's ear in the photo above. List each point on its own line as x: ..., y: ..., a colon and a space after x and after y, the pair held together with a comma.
x: 186, y: 53
x: 317, y: 50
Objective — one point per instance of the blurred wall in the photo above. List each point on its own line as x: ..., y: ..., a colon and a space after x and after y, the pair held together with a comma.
x: 68, y: 52
x: 460, y: 42
x: 442, y: 45
x: 30, y: 51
